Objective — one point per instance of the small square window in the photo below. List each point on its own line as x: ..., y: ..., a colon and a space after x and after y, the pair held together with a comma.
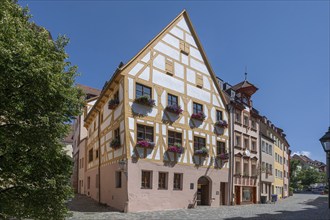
x: 162, y: 180
x: 142, y: 90
x: 145, y: 133
x: 146, y: 182
x: 90, y: 155
x: 118, y: 179
x: 172, y: 100
x: 197, y: 108
x: 219, y: 115
x: 177, y: 181
x: 221, y: 147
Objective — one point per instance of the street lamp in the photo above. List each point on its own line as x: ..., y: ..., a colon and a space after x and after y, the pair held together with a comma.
x: 325, y: 141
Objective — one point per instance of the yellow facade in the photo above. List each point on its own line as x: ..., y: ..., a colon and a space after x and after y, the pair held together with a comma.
x: 278, y: 182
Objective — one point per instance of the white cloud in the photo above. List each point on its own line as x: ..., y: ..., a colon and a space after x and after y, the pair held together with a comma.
x: 306, y: 153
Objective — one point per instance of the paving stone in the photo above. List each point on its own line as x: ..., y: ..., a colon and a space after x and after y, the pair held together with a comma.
x: 300, y: 206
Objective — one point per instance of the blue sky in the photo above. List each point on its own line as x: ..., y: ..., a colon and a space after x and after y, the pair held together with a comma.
x: 284, y: 44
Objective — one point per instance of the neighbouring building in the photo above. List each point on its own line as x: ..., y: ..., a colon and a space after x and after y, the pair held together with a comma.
x: 281, y: 157
x: 307, y: 163
x: 79, y: 140
x: 267, y: 160
x: 157, y: 136
x: 244, y: 133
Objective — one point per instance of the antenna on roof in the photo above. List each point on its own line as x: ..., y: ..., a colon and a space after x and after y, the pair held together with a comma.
x: 245, y: 73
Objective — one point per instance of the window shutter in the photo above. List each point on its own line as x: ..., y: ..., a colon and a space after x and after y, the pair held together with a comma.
x: 199, y: 81
x: 184, y: 47
x: 169, y: 67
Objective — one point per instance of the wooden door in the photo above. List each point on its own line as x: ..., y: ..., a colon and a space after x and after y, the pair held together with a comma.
x: 254, y: 194
x: 205, y: 197
x: 238, y: 195
x: 223, y: 193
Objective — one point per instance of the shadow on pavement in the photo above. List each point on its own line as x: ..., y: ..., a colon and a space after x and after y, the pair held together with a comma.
x: 82, y: 203
x: 318, y: 212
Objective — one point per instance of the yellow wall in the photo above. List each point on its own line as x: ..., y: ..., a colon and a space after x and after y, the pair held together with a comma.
x: 278, y: 182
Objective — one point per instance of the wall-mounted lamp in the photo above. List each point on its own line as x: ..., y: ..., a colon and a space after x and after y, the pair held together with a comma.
x: 122, y: 165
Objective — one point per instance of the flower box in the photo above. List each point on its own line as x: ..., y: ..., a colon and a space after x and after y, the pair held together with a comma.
x: 246, y: 175
x: 176, y: 109
x: 145, y: 100
x: 115, y: 143
x: 113, y: 103
x: 199, y: 116
x: 145, y: 144
x: 223, y: 156
x: 221, y: 123
x: 177, y: 148
x: 203, y: 152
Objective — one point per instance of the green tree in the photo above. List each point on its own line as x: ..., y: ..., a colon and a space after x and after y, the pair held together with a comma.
x: 309, y: 176
x: 294, y: 180
x: 37, y: 102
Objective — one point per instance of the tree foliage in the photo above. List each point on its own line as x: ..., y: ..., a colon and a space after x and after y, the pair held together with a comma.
x: 37, y: 101
x: 304, y: 177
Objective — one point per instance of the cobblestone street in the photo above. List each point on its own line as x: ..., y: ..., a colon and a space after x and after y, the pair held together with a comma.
x: 299, y: 206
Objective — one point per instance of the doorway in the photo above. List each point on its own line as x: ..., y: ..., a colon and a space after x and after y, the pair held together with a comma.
x: 203, y: 191
x: 237, y: 195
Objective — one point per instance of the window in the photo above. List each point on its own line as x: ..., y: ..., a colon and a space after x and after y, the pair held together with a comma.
x: 263, y: 146
x: 254, y: 169
x: 169, y: 67
x: 94, y: 125
x: 247, y: 194
x: 146, y: 180
x: 142, y: 90
x: 254, y: 145
x: 199, y: 143
x: 238, y: 166
x: 118, y: 179
x: 197, y: 108
x: 270, y: 149
x: 238, y: 117
x: 177, y: 181
x: 221, y: 147
x: 96, y: 154
x: 145, y: 133
x: 174, y: 137
x: 246, y: 168
x: 116, y: 96
x: 238, y: 140
x: 90, y: 155
x: 253, y: 124
x: 246, y: 143
x: 246, y: 120
x: 88, y: 182
x: 172, y: 100
x: 219, y: 115
x: 117, y: 135
x: 162, y: 180
x: 184, y: 47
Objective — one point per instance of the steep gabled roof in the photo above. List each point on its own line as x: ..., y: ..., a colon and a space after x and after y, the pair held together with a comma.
x: 184, y: 15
